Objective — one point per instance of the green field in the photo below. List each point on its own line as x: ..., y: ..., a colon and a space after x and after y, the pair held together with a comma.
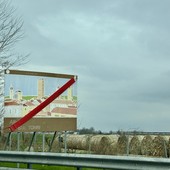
x: 38, y: 167
x: 24, y: 97
x: 28, y: 97
x: 41, y: 167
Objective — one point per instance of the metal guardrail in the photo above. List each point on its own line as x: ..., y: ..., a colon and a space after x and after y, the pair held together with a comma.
x: 83, y: 160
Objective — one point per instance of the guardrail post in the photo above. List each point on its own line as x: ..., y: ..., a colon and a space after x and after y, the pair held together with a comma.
x: 29, y: 166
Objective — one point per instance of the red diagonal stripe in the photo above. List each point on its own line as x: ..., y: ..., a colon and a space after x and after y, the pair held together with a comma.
x: 33, y: 112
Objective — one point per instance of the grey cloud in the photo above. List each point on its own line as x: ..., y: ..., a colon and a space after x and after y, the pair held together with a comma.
x: 119, y: 49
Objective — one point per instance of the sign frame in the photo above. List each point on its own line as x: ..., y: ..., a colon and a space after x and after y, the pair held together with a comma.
x: 36, y: 124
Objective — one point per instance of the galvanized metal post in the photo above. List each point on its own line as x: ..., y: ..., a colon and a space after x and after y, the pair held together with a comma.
x: 43, y: 141
x: 65, y: 142
x: 18, y: 141
x: 89, y: 147
x: 165, y: 149
x: 127, y: 145
x: 60, y: 140
x: 18, y: 145
x: 29, y: 166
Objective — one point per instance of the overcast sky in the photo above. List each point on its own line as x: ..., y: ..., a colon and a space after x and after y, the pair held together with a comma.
x: 120, y: 50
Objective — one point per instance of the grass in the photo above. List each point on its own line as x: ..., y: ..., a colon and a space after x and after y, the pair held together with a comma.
x: 35, y: 166
x: 41, y: 167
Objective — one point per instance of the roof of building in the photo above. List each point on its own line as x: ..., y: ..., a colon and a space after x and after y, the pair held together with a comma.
x: 72, y: 111
x: 60, y: 101
x: 28, y: 104
x: 11, y: 103
x: 42, y: 113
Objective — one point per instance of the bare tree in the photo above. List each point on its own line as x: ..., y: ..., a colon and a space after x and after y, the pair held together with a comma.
x: 10, y: 33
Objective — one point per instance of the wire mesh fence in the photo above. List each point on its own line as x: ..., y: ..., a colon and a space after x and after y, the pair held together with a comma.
x: 156, y: 145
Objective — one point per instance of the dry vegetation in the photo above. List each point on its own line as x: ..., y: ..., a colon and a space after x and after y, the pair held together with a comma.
x: 146, y: 145
x: 122, y: 144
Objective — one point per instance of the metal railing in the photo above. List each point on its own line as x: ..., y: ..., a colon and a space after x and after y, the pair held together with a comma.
x: 84, y: 160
